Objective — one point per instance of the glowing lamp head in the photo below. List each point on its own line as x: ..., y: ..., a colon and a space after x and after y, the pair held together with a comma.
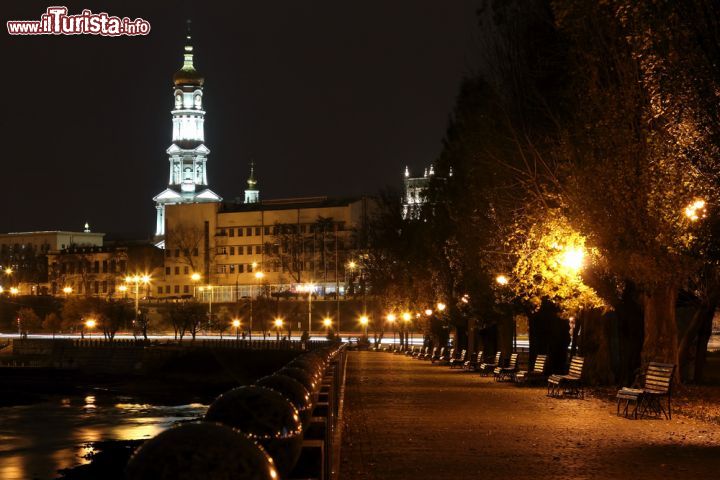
x: 391, y: 317
x: 122, y: 288
x: 128, y: 279
x: 696, y: 210
x: 14, y: 291
x: 195, y: 277
x: 406, y: 316
x: 236, y: 323
x: 327, y: 322
x: 90, y: 323
x: 501, y: 280
x: 67, y: 290
x: 364, y: 320
x: 572, y: 258
x: 8, y: 271
x: 441, y: 306
x: 428, y: 312
x: 259, y: 275
x: 145, y: 279
x: 352, y: 265
x: 278, y: 322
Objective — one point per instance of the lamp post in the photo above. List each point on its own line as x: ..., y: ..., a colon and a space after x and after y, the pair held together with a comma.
x: 309, y: 288
x: 90, y: 324
x: 137, y: 280
x: 406, y: 317
x: 364, y: 320
x: 278, y: 326
x: 259, y: 275
x: 327, y: 322
x: 236, y: 324
x: 391, y: 320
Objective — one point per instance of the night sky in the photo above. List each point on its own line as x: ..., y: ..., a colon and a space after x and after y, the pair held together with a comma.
x: 330, y: 98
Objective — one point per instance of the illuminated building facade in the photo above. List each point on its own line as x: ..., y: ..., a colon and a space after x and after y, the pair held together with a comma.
x: 291, y: 241
x: 415, y: 192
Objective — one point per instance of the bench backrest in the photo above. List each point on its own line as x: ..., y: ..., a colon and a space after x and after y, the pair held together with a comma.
x: 427, y: 349
x: 479, y: 357
x: 452, y: 353
x: 434, y: 351
x: 513, y: 361
x: 442, y: 352
x: 463, y: 354
x: 576, y: 367
x: 658, y: 378
x: 497, y: 358
x: 539, y: 366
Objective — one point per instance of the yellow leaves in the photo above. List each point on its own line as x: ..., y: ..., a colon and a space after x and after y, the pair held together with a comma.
x: 551, y: 256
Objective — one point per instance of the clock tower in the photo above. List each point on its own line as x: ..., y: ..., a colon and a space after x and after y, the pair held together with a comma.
x: 187, y: 154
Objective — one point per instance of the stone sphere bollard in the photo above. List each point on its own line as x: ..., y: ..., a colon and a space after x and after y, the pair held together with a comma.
x: 200, y: 451
x: 265, y: 416
x: 301, y: 375
x: 293, y: 391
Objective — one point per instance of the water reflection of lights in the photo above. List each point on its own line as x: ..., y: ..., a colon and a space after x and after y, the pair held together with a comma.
x: 90, y: 402
x: 63, y: 431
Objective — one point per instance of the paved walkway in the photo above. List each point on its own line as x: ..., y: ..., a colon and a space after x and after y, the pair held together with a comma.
x: 406, y: 419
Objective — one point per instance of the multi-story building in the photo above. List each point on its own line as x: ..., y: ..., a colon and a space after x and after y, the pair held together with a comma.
x: 102, y: 270
x: 279, y: 246
x: 23, y: 256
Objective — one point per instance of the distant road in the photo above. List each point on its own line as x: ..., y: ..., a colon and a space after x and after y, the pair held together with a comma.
x: 713, y: 345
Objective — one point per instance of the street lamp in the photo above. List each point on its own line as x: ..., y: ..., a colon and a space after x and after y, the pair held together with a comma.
x: 327, y: 322
x: 407, y: 317
x: 428, y: 312
x: 391, y: 318
x: 259, y: 275
x: 441, y: 307
x: 278, y: 326
x: 14, y: 291
x: 364, y: 322
x: 309, y: 288
x: 67, y: 291
x: 90, y: 324
x: 236, y: 324
x: 501, y: 280
x: 137, y: 280
x: 696, y: 210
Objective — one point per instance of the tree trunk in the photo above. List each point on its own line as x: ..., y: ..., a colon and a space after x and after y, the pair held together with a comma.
x: 661, y: 336
x: 692, y: 350
x: 595, y: 347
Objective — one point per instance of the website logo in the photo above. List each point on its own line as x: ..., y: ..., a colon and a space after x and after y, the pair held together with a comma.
x: 56, y: 21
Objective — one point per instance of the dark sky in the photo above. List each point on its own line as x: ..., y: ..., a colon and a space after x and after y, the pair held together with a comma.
x: 329, y: 98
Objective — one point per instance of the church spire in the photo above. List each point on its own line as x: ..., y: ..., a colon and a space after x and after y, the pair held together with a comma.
x: 252, y: 194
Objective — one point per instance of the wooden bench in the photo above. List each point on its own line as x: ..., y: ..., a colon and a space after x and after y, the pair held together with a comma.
x: 445, y: 359
x: 474, y: 364
x: 411, y: 352
x: 486, y: 368
x: 421, y: 353
x: 458, y: 361
x: 438, y: 356
x: 538, y: 371
x: 507, y: 372
x: 571, y: 383
x: 429, y: 356
x: 656, y: 386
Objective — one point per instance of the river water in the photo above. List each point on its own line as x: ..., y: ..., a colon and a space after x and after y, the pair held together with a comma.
x: 37, y: 440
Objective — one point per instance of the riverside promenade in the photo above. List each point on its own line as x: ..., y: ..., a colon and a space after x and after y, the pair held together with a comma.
x: 407, y: 419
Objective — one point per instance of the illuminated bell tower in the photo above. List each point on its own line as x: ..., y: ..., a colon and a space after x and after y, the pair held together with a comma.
x: 188, y: 154
x: 252, y: 194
